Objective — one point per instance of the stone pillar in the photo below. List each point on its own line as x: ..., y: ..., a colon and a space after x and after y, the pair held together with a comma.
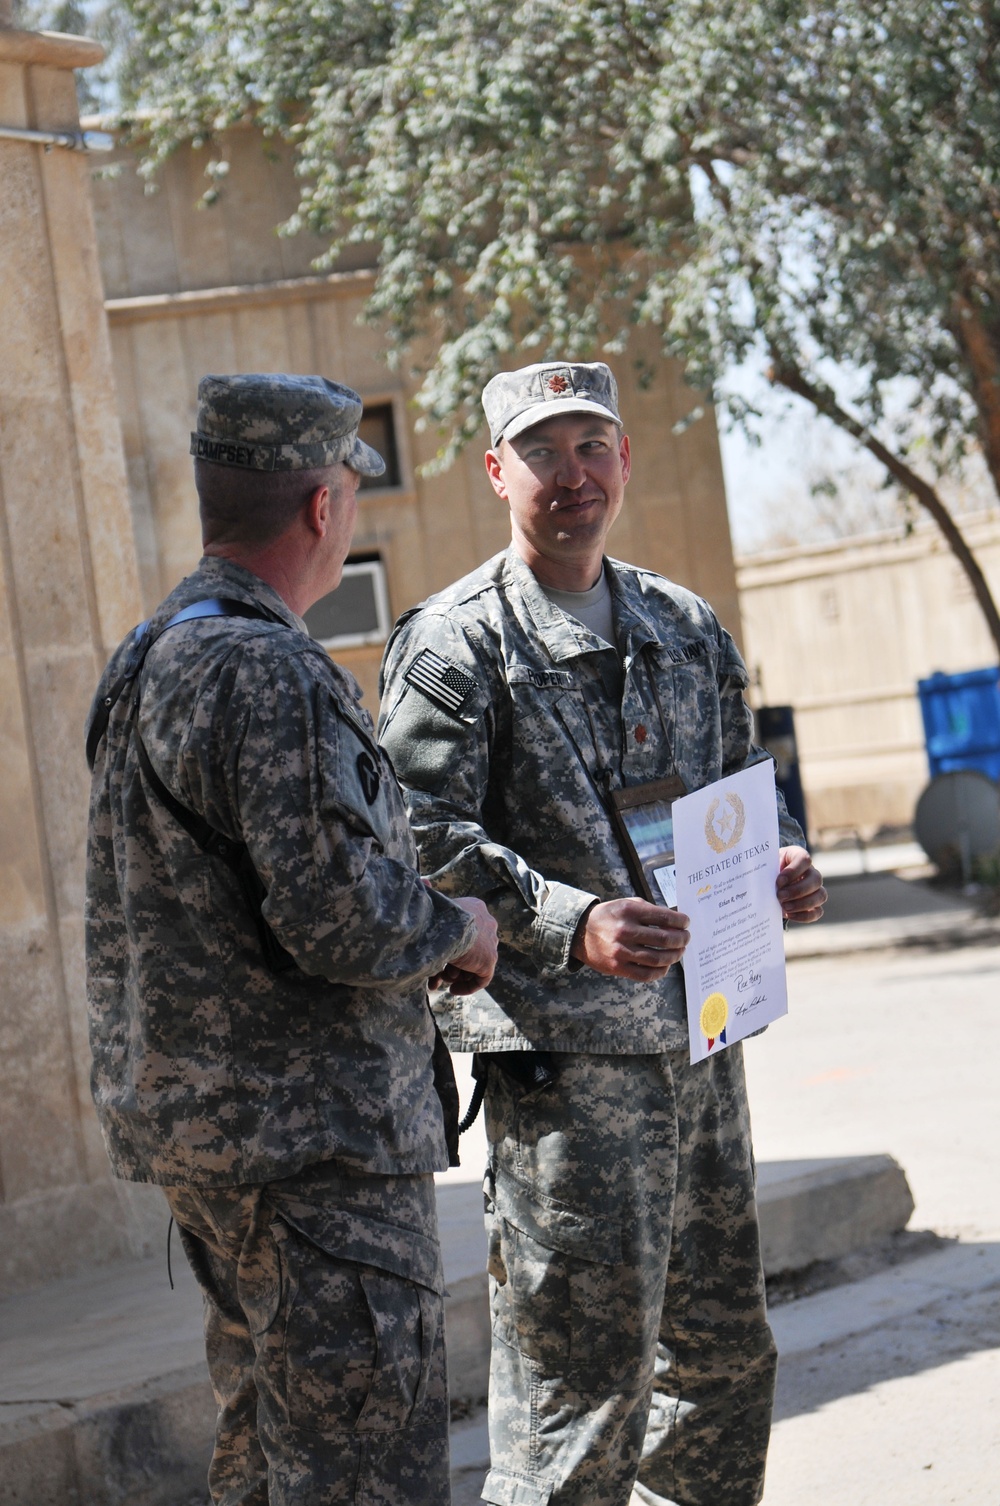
x: 68, y: 593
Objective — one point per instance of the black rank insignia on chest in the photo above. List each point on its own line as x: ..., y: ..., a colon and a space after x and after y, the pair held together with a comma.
x: 443, y: 682
x: 368, y: 773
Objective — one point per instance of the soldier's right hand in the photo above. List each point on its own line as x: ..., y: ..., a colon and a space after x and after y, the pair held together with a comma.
x: 630, y: 938
x: 473, y: 970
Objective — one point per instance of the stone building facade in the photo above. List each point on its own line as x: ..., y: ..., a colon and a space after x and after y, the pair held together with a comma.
x: 69, y: 591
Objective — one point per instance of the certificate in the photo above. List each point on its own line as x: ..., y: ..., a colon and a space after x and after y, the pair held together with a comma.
x: 726, y: 860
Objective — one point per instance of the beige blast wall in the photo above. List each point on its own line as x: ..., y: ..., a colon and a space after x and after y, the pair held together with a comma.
x: 843, y: 634
x: 68, y: 592
x: 192, y: 290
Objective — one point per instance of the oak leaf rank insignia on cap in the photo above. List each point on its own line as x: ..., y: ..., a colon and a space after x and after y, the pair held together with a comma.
x: 440, y: 680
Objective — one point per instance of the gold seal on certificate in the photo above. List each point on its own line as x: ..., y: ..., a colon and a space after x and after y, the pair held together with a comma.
x: 725, y: 858
x: 714, y: 1014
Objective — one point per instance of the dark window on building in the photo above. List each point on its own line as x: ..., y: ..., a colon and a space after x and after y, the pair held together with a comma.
x: 358, y: 611
x: 378, y: 428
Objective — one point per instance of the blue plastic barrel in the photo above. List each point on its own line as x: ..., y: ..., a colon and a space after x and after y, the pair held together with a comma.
x: 962, y: 721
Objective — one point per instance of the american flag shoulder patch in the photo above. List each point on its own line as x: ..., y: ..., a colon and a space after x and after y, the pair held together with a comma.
x: 441, y: 681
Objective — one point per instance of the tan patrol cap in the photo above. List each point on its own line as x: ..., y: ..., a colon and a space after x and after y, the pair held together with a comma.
x: 515, y: 400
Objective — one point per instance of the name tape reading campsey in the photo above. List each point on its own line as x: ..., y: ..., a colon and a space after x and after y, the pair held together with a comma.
x: 226, y: 452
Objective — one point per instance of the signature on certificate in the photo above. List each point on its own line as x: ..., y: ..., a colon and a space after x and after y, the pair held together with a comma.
x: 745, y: 982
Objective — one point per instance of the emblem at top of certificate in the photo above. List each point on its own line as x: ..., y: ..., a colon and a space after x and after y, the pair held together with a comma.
x: 725, y: 820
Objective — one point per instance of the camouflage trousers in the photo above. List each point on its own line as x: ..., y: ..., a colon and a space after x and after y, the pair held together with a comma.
x: 324, y: 1329
x: 630, y: 1338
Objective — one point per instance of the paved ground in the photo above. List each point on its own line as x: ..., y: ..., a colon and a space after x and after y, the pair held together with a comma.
x: 889, y: 1389
x: 900, y: 1401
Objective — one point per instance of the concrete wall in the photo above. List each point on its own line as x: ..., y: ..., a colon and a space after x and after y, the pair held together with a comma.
x: 843, y: 634
x: 68, y: 592
x: 215, y: 288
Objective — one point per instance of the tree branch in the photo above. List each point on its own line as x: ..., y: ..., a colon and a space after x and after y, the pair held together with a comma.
x: 793, y: 380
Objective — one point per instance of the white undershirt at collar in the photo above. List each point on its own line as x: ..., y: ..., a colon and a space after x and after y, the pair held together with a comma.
x: 593, y: 607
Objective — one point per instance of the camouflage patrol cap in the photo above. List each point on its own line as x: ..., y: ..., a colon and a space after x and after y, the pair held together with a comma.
x: 270, y: 422
x: 515, y: 400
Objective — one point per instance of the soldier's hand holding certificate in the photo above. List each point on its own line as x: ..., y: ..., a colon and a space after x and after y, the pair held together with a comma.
x: 726, y: 858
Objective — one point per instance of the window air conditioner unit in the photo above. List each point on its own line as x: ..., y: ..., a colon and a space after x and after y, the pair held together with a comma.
x: 357, y: 612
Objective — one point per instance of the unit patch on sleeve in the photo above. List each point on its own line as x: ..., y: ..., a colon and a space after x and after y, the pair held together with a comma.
x: 441, y: 681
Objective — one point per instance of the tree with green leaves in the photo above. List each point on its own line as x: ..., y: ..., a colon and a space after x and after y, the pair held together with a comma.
x: 817, y: 183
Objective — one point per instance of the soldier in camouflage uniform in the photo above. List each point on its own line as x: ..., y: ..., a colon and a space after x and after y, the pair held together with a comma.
x: 259, y: 944
x: 630, y: 1341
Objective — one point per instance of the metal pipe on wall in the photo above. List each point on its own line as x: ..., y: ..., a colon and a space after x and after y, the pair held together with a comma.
x: 75, y: 141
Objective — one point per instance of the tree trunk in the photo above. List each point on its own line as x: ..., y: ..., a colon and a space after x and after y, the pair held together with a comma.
x: 977, y: 342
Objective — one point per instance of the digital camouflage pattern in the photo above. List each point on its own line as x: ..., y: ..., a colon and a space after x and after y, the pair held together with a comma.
x: 208, y: 1068
x: 274, y: 422
x: 626, y: 1271
x: 506, y: 786
x: 627, y: 1292
x: 324, y: 1327
x: 515, y: 400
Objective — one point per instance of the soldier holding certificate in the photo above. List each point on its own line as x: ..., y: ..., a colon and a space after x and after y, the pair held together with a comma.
x: 630, y: 1341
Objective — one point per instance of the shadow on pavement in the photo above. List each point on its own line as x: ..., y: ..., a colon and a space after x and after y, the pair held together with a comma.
x: 885, y: 896
x: 906, y: 1322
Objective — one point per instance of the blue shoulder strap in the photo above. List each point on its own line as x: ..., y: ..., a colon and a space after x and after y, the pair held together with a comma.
x: 142, y: 642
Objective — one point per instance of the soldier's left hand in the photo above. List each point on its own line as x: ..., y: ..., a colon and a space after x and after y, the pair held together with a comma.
x: 473, y: 969
x: 799, y: 887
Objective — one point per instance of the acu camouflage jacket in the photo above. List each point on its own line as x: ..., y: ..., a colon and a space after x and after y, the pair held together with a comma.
x: 208, y: 1068
x: 498, y: 713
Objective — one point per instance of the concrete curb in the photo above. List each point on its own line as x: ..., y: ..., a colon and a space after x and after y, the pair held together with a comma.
x: 822, y: 1210
x: 467, y: 1331
x: 148, y: 1445
x: 148, y: 1442
x: 880, y: 911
